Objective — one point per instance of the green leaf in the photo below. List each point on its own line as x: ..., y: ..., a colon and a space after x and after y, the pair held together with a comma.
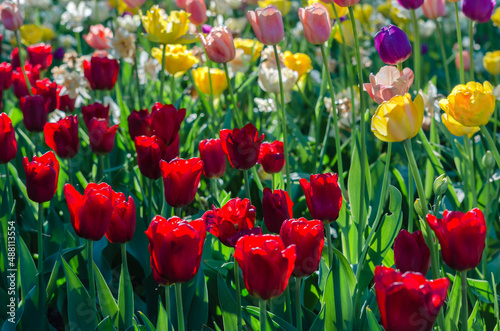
x: 273, y: 321
x: 146, y: 320
x: 453, y: 309
x: 27, y: 267
x: 473, y: 315
x: 319, y: 321
x: 125, y: 290
x: 198, y: 312
x: 105, y: 325
x: 372, y: 321
x: 227, y: 305
x: 163, y: 323
x: 107, y: 302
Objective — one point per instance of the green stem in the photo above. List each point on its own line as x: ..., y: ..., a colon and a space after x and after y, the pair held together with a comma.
x: 162, y: 72
x: 484, y: 261
x: 41, y: 292
x: 465, y: 314
x: 329, y: 244
x: 298, y: 303
x: 262, y: 316
x: 443, y: 55
x: 460, y: 47
x: 416, y: 49
x: 238, y: 293
x: 100, y: 169
x: 21, y: 61
x: 129, y: 300
x: 491, y: 143
x: 283, y: 124
x: 180, y: 310
x: 247, y: 185
x: 411, y: 199
x: 78, y: 43
x: 151, y: 212
x: 8, y: 184
x: 470, y: 165
x: 323, y: 147
x: 70, y: 175
x: 215, y: 189
x: 172, y: 88
x: 90, y: 262
x: 471, y: 47
x: 137, y: 83
x: 236, y: 111
x: 167, y: 299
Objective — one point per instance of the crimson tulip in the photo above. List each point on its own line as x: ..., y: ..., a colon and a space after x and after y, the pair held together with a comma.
x: 35, y: 112
x: 175, y: 248
x: 214, y: 160
x: 5, y: 76
x: 62, y: 136
x: 408, y: 301
x: 8, y: 142
x: 323, y: 196
x: 277, y: 207
x: 19, y: 82
x: 139, y: 124
x: 48, y: 90
x: 95, y: 110
x: 411, y: 252
x: 101, y: 72
x: 241, y: 146
x: 40, y: 54
x: 150, y: 151
x: 462, y: 237
x: 15, y: 61
x: 101, y: 136
x: 307, y: 236
x: 91, y: 212
x: 272, y: 157
x: 41, y: 177
x: 181, y: 179
x: 266, y: 264
x: 122, y: 225
x: 166, y: 121
x: 66, y: 103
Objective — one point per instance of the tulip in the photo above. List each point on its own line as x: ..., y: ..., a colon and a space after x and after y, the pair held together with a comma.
x: 66, y: 103
x: 456, y: 128
x: 323, y: 196
x: 213, y: 157
x: 101, y: 72
x: 232, y: 221
x: 363, y: 12
x: 11, y: 16
x: 40, y: 54
x: 272, y: 157
x: 180, y: 3
x: 329, y: 4
x: 41, y: 177
x: 98, y: 37
x: 241, y: 146
x: 269, y: 79
x: 307, y: 236
x: 35, y: 112
x: 101, y: 136
x: 202, y: 82
x: 276, y: 207
x: 91, y: 212
x: 411, y: 4
x: 393, y: 45
x: 178, y: 58
x: 5, y: 76
x: 166, y: 121
x: 139, y: 123
x: 408, y: 301
x: 197, y: 10
x: 388, y: 83
x: 8, y: 143
x: 15, y: 61
x: 181, y: 179
x: 175, y: 247
x: 167, y: 29
x: 398, y: 119
x: 122, y: 225
x: 250, y: 47
x: 96, y: 110
x: 134, y: 3
x: 283, y: 6
x: 434, y: 8
x: 491, y: 62
x: 346, y: 3
x: 478, y: 10
x: 471, y: 104
x: 219, y: 45
x: 461, y: 236
x: 267, y: 24
x: 495, y: 18
x: 411, y: 252
x: 48, y: 90
x: 266, y: 264
x: 19, y: 82
x: 62, y: 136
x: 316, y: 23
x: 299, y: 62
x: 466, y: 57
x: 150, y: 151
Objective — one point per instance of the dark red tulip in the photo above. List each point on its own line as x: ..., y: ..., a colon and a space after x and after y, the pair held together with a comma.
x: 139, y: 124
x: 232, y: 221
x: 462, y: 237
x: 266, y: 264
x: 175, y: 248
x: 8, y: 143
x: 122, y: 225
x: 411, y: 252
x: 95, y: 110
x: 213, y: 157
x: 272, y: 157
x: 48, y: 90
x: 14, y: 58
x: 101, y: 136
x: 150, y: 151
x: 5, y: 76
x: 66, y: 104
x: 408, y: 301
x: 62, y: 136
x: 308, y: 238
x: 35, y: 112
x: 40, y: 54
x: 101, y: 72
x: 172, y: 150
x: 41, y: 177
x: 323, y: 196
x: 166, y: 121
x: 19, y: 82
x: 181, y: 179
x: 91, y: 212
x: 276, y: 207
x: 241, y: 146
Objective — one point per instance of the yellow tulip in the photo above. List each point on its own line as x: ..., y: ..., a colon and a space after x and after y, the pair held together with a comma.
x: 495, y: 18
x: 178, y: 59
x: 122, y: 7
x: 397, y: 17
x: 299, y: 62
x: 491, y: 62
x: 341, y: 11
x: 218, y: 76
x: 249, y: 47
x: 471, y: 104
x: 283, y: 5
x: 456, y: 128
x: 348, y: 33
x: 48, y: 34
x: 31, y: 34
x: 398, y: 119
x: 385, y: 9
x: 363, y: 12
x: 171, y: 29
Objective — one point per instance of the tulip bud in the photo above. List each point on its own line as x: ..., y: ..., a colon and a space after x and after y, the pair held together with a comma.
x: 440, y: 185
x: 198, y: 11
x: 276, y: 207
x: 267, y: 24
x: 181, y: 179
x: 11, y: 16
x: 213, y: 157
x: 346, y: 3
x: 323, y: 196
x: 272, y: 157
x: 434, y: 8
x: 417, y: 205
x: 219, y: 45
x: 62, y: 137
x: 478, y: 10
x: 411, y: 4
x: 8, y: 143
x: 411, y: 252
x: 241, y: 146
x: 41, y: 177
x: 316, y: 22
x: 488, y: 160
x: 393, y: 45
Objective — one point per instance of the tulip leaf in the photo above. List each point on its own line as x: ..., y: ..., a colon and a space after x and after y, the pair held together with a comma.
x: 454, y: 304
x: 163, y: 323
x: 319, y: 322
x: 372, y: 321
x: 105, y: 325
x: 146, y: 320
x: 472, y: 317
x: 108, y: 305
x: 125, y: 290
x: 198, y: 311
x: 27, y: 267
x: 274, y: 322
x: 227, y: 304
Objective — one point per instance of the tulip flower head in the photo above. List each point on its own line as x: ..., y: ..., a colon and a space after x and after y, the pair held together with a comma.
x: 299, y: 62
x: 491, y: 62
x: 122, y: 225
x: 98, y: 37
x: 434, y: 8
x: 393, y: 45
x: 213, y: 157
x: 181, y: 179
x: 202, y: 81
x: 167, y: 29
x: 40, y: 54
x: 35, y: 110
x: 197, y: 10
x: 48, y: 90
x: 219, y: 45
x: 150, y: 151
x: 41, y: 177
x: 478, y: 10
x: 178, y: 59
x: 276, y: 207
x: 267, y: 24
x: 456, y: 128
x: 411, y: 4
x: 272, y: 157
x: 241, y: 146
x: 323, y: 196
x: 101, y: 72
x: 346, y: 3
x: 11, y: 16
x: 8, y: 142
x: 101, y: 136
x: 388, y: 83
x: 316, y: 23
x: 19, y: 86
x: 411, y: 252
x: 5, y: 76
x: 62, y: 137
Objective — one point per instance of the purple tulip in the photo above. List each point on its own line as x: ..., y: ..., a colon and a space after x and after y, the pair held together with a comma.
x: 478, y: 10
x: 411, y: 4
x: 393, y: 45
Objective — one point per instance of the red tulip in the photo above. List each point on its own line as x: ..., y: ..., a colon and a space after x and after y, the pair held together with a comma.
x: 462, y: 237
x: 181, y: 179
x: 277, y: 207
x: 122, y: 225
x: 265, y: 263
x: 408, y: 301
x: 19, y: 82
x: 66, y: 104
x: 91, y: 212
x: 307, y: 236
x: 62, y: 136
x: 219, y: 44
x: 5, y: 76
x: 323, y: 196
x: 411, y: 252
x: 150, y: 151
x: 15, y: 60
x: 48, y: 90
x: 8, y: 143
x: 232, y: 221
x: 41, y: 177
x: 101, y: 136
x: 139, y: 123
x: 272, y: 157
x: 95, y: 110
x: 101, y: 72
x: 212, y: 155
x: 267, y: 24
x: 175, y: 247
x: 241, y: 146
x: 35, y: 111
x: 40, y: 54
x: 166, y: 121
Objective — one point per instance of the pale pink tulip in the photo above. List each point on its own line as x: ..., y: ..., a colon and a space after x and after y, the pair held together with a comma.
x: 219, y: 45
x: 98, y: 37
x: 388, y: 83
x: 11, y: 16
x: 180, y: 3
x: 434, y: 8
x: 267, y: 24
x: 466, y: 60
x: 198, y: 11
x: 316, y: 22
x: 134, y: 3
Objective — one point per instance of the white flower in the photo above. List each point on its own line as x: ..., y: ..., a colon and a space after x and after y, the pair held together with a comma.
x: 103, y: 11
x: 44, y: 4
x: 237, y: 25
x: 265, y: 105
x: 269, y: 79
x: 73, y: 83
x: 426, y: 28
x: 148, y: 66
x: 56, y: 115
x: 74, y: 16
x: 225, y: 6
x: 496, y: 92
x: 129, y: 23
x: 123, y: 45
x: 114, y: 109
x: 67, y: 41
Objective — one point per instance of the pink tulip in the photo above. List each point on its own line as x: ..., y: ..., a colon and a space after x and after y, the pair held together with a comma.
x: 267, y: 24
x: 198, y: 11
x: 219, y: 45
x: 388, y: 83
x: 316, y: 22
x: 346, y: 3
x: 434, y: 8
x: 11, y: 16
x: 466, y: 60
x: 98, y: 37
x: 180, y: 3
x: 134, y: 3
